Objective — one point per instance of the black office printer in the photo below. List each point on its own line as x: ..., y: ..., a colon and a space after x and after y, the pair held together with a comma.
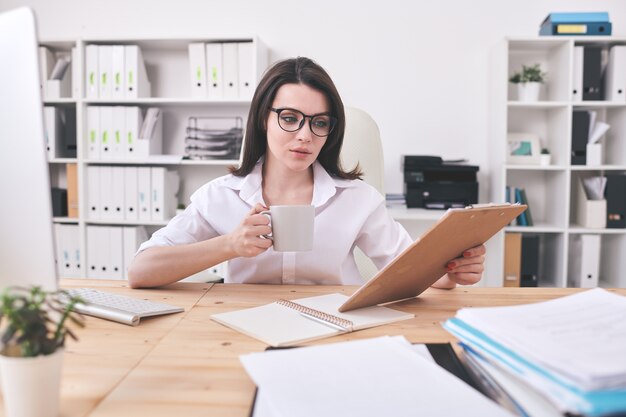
x: 434, y: 184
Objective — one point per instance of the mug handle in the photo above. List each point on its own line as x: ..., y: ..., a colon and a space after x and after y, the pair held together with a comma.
x: 268, y: 214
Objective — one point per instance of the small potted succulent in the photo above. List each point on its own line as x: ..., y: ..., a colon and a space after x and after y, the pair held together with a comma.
x: 544, y: 158
x: 528, y: 82
x: 34, y: 329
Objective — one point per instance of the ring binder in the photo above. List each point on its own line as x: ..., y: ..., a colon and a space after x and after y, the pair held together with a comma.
x: 325, y: 318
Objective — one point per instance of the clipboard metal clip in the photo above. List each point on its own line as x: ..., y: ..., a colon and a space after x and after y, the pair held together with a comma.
x: 487, y: 205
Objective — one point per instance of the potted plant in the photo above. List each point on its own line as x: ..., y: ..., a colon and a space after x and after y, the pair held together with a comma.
x: 34, y: 328
x: 528, y: 82
x: 544, y: 158
x: 180, y: 208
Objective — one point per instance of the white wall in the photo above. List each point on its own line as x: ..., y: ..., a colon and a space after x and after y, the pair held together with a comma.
x: 419, y: 68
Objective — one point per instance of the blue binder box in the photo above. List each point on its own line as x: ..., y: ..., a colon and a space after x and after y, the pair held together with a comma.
x: 567, y: 24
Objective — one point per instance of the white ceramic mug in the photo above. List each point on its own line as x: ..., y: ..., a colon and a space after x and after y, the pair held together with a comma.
x: 292, y: 227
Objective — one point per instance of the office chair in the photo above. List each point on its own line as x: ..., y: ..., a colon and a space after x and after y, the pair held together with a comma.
x: 361, y: 143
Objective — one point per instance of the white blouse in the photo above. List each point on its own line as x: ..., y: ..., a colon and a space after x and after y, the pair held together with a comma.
x: 348, y: 213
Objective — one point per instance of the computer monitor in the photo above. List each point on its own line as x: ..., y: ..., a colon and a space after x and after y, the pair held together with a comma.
x: 26, y: 232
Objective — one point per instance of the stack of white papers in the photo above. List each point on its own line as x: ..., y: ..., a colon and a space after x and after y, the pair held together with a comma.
x: 374, y: 377
x: 571, y: 349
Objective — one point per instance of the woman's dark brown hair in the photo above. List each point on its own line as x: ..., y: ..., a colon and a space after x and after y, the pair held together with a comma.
x: 294, y: 71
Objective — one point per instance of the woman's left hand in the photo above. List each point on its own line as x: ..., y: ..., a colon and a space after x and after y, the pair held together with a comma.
x: 466, y: 270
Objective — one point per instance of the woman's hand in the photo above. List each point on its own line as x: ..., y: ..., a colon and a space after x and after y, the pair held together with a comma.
x: 466, y: 270
x: 246, y: 239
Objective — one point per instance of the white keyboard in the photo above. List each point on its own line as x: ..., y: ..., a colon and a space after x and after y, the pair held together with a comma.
x: 119, y: 308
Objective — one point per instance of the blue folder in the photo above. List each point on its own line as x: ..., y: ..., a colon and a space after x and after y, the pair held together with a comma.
x: 567, y: 24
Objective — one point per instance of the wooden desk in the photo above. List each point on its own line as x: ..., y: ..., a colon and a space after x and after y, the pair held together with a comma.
x: 187, y: 365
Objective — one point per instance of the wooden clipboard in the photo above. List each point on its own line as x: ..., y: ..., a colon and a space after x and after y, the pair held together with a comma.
x: 424, y: 262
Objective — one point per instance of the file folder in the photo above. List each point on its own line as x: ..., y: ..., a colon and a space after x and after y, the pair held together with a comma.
x: 529, y: 271
x: 581, y: 121
x: 214, y: 67
x: 615, y: 77
x: 93, y: 133
x: 247, y: 76
x: 512, y: 259
x: 53, y: 130
x: 584, y: 261
x: 75, y: 73
x: 91, y: 71
x: 105, y: 68
x: 577, y: 92
x: 118, y: 148
x: 164, y: 184
x: 117, y: 194
x: 106, y: 193
x: 197, y: 70
x: 93, y: 192
x: 131, y: 194
x: 576, y: 23
x: 118, y: 90
x: 116, y: 255
x: 137, y: 83
x: 46, y: 63
x: 61, y: 255
x: 133, y: 121
x: 144, y: 188
x: 230, y: 56
x: 150, y: 140
x: 106, y: 132
x: 616, y: 201
x: 93, y: 258
x: 592, y: 73
x: 72, y: 190
x: 72, y: 235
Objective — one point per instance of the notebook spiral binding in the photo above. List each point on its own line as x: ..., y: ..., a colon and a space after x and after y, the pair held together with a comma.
x: 344, y: 324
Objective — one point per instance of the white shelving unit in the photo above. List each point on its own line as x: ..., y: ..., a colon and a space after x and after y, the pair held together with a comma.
x: 552, y: 190
x: 167, y: 65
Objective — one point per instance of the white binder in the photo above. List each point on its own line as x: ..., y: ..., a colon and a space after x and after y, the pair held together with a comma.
x: 230, y: 63
x: 46, y: 63
x: 577, y: 87
x: 53, y: 130
x: 105, y: 69
x: 197, y: 70
x: 133, y: 120
x: 615, y: 77
x: 164, y: 189
x: 103, y: 252
x: 131, y: 211
x: 72, y: 240
x: 133, y: 237
x: 584, y: 261
x: 118, y: 148
x: 116, y: 253
x: 106, y: 132
x: 214, y: 67
x: 62, y: 257
x: 144, y: 189
x: 118, y: 91
x: 93, y: 192
x: 93, y: 133
x: 247, y: 75
x: 106, y: 193
x: 93, y: 252
x: 136, y: 82
x: 91, y: 71
x: 117, y: 194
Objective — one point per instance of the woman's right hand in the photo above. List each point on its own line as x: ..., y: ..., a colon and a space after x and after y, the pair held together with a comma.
x: 246, y: 239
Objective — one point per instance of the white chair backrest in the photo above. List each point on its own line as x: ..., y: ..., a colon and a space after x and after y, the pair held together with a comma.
x: 361, y: 143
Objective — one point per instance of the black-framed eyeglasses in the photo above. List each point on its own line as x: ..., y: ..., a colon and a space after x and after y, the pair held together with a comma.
x: 292, y: 120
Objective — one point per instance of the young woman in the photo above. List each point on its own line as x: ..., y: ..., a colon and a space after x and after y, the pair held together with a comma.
x: 292, y: 143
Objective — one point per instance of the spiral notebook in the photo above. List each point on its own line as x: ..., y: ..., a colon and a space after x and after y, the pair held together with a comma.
x: 285, y: 323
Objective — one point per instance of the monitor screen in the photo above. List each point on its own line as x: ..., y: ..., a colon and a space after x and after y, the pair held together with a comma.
x: 26, y: 230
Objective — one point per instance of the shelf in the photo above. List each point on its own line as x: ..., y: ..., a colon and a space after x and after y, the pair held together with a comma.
x: 540, y: 228
x: 537, y: 104
x: 170, y: 101
x: 110, y: 222
x: 63, y: 161
x: 535, y: 167
x: 575, y: 229
x: 191, y: 162
x: 600, y: 104
x: 65, y: 220
x: 598, y: 168
x: 60, y: 101
x: 404, y: 213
